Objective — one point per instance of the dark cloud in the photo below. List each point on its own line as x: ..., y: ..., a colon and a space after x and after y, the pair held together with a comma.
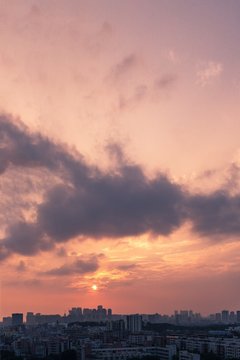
x: 4, y: 252
x: 26, y: 239
x: 61, y: 252
x: 113, y: 206
x: 91, y: 203
x: 21, y: 148
x: 216, y: 214
x: 78, y: 267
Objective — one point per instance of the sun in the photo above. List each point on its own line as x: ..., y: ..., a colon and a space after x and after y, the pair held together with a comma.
x: 94, y: 287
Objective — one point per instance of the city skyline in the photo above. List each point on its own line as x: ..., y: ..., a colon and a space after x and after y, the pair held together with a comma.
x: 119, y: 337
x: 119, y: 155
x: 102, y: 314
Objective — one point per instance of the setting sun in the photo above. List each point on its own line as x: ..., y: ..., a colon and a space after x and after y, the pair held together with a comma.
x: 94, y: 287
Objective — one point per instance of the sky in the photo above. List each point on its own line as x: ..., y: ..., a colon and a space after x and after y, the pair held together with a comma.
x: 119, y: 155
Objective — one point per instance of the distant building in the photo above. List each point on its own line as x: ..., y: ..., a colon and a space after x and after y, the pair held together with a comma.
x: 238, y: 317
x: 7, y: 321
x: 232, y: 317
x: 125, y: 353
x: 225, y: 316
x: 30, y: 318
x: 101, y: 313
x: 218, y: 317
x: 134, y: 323
x: 185, y: 355
x: 46, y: 319
x: 75, y: 314
x: 17, y: 319
x: 109, y: 313
x: 184, y: 316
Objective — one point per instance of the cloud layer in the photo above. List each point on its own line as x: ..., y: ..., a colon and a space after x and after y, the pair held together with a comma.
x: 78, y: 267
x: 89, y: 203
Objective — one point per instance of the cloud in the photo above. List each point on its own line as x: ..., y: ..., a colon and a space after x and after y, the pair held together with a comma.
x: 23, y: 283
x: 21, y: 267
x: 134, y: 83
x: 126, y: 267
x: 113, y: 206
x: 61, y: 252
x: 106, y: 29
x: 89, y: 203
x: 139, y: 94
x: 172, y: 56
x: 165, y: 81
x: 26, y: 239
x: 21, y: 148
x: 216, y: 214
x: 208, y: 72
x: 4, y: 252
x: 78, y: 267
x: 125, y: 66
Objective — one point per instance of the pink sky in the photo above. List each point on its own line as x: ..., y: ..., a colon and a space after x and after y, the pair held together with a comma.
x: 119, y: 155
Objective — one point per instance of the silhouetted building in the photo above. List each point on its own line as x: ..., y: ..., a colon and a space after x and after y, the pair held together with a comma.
x: 7, y: 321
x: 109, y: 314
x: 238, y: 317
x: 17, y: 319
x: 75, y: 314
x: 134, y: 323
x: 225, y: 316
x: 218, y: 317
x: 30, y: 318
x: 232, y: 317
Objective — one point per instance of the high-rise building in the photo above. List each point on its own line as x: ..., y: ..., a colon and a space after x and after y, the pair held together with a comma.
x: 218, y: 317
x: 225, y: 316
x: 17, y: 319
x: 238, y: 316
x: 134, y: 323
x: 184, y: 316
x: 7, y: 321
x: 75, y: 314
x: 232, y: 317
x: 101, y: 313
x: 30, y: 318
x: 116, y: 325
x: 109, y: 314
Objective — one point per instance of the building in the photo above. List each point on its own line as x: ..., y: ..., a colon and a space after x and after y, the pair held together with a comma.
x: 75, y: 314
x: 7, y: 321
x: 125, y: 353
x: 109, y: 314
x: 225, y: 316
x: 185, y: 355
x: 30, y: 318
x: 134, y: 323
x: 218, y: 317
x: 238, y: 317
x: 17, y: 319
x: 232, y: 317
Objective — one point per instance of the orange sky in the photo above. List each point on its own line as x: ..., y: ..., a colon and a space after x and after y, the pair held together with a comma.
x: 133, y: 184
